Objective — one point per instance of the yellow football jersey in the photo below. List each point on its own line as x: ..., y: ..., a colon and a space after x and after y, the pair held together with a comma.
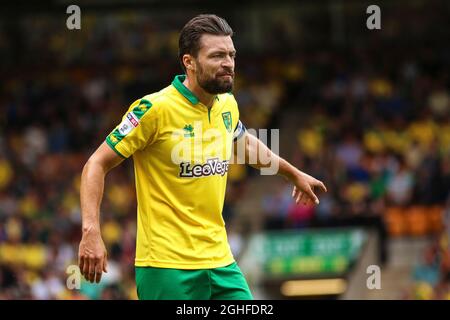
x: 181, y: 151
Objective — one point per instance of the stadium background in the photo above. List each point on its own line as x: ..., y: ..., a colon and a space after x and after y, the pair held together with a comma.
x: 365, y: 111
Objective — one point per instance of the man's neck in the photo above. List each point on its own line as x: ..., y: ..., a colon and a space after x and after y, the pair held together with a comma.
x: 205, y: 98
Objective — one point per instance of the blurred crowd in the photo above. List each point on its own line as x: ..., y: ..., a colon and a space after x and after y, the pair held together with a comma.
x: 377, y: 138
x: 373, y: 123
x: 431, y: 274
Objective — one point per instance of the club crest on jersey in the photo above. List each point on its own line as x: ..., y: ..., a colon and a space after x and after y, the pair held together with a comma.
x: 188, y: 131
x: 226, y: 116
x: 210, y: 168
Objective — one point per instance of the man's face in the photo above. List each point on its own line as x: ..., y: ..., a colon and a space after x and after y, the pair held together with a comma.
x: 215, y: 64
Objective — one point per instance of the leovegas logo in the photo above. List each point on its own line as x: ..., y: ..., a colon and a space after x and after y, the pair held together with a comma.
x: 211, y: 167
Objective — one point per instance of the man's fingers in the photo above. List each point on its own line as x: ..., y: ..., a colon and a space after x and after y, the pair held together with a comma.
x: 303, y: 198
x: 105, y: 263
x: 294, y: 191
x: 91, y: 275
x: 85, y: 270
x: 312, y: 196
x: 81, y: 263
x: 321, y: 185
x: 98, y: 271
x: 298, y: 193
x: 84, y: 266
x: 297, y: 199
x: 91, y: 268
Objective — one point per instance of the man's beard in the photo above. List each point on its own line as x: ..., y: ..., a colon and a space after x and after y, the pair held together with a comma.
x: 214, y: 85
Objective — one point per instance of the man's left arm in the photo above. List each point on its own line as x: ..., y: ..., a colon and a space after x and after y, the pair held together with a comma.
x: 259, y: 156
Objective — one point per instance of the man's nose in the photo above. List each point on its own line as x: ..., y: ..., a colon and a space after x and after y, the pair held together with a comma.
x: 228, y: 62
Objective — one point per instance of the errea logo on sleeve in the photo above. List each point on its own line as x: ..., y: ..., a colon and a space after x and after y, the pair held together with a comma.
x: 128, y: 124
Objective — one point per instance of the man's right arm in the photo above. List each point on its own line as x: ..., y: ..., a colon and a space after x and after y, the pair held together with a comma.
x: 92, y: 256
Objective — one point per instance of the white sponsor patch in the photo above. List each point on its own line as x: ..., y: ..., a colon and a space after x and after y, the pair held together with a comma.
x: 133, y: 119
x: 128, y: 124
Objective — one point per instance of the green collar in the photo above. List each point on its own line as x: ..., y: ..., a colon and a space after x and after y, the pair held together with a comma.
x: 178, y: 84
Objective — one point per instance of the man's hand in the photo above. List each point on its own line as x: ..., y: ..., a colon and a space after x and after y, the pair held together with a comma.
x: 304, y: 186
x: 92, y: 256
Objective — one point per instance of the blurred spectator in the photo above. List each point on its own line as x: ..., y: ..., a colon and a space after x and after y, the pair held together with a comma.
x: 400, y: 185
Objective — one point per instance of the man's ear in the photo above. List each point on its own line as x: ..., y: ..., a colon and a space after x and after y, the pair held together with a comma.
x: 189, y: 62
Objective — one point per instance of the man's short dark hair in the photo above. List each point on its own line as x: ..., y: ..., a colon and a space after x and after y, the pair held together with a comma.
x: 189, y: 41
